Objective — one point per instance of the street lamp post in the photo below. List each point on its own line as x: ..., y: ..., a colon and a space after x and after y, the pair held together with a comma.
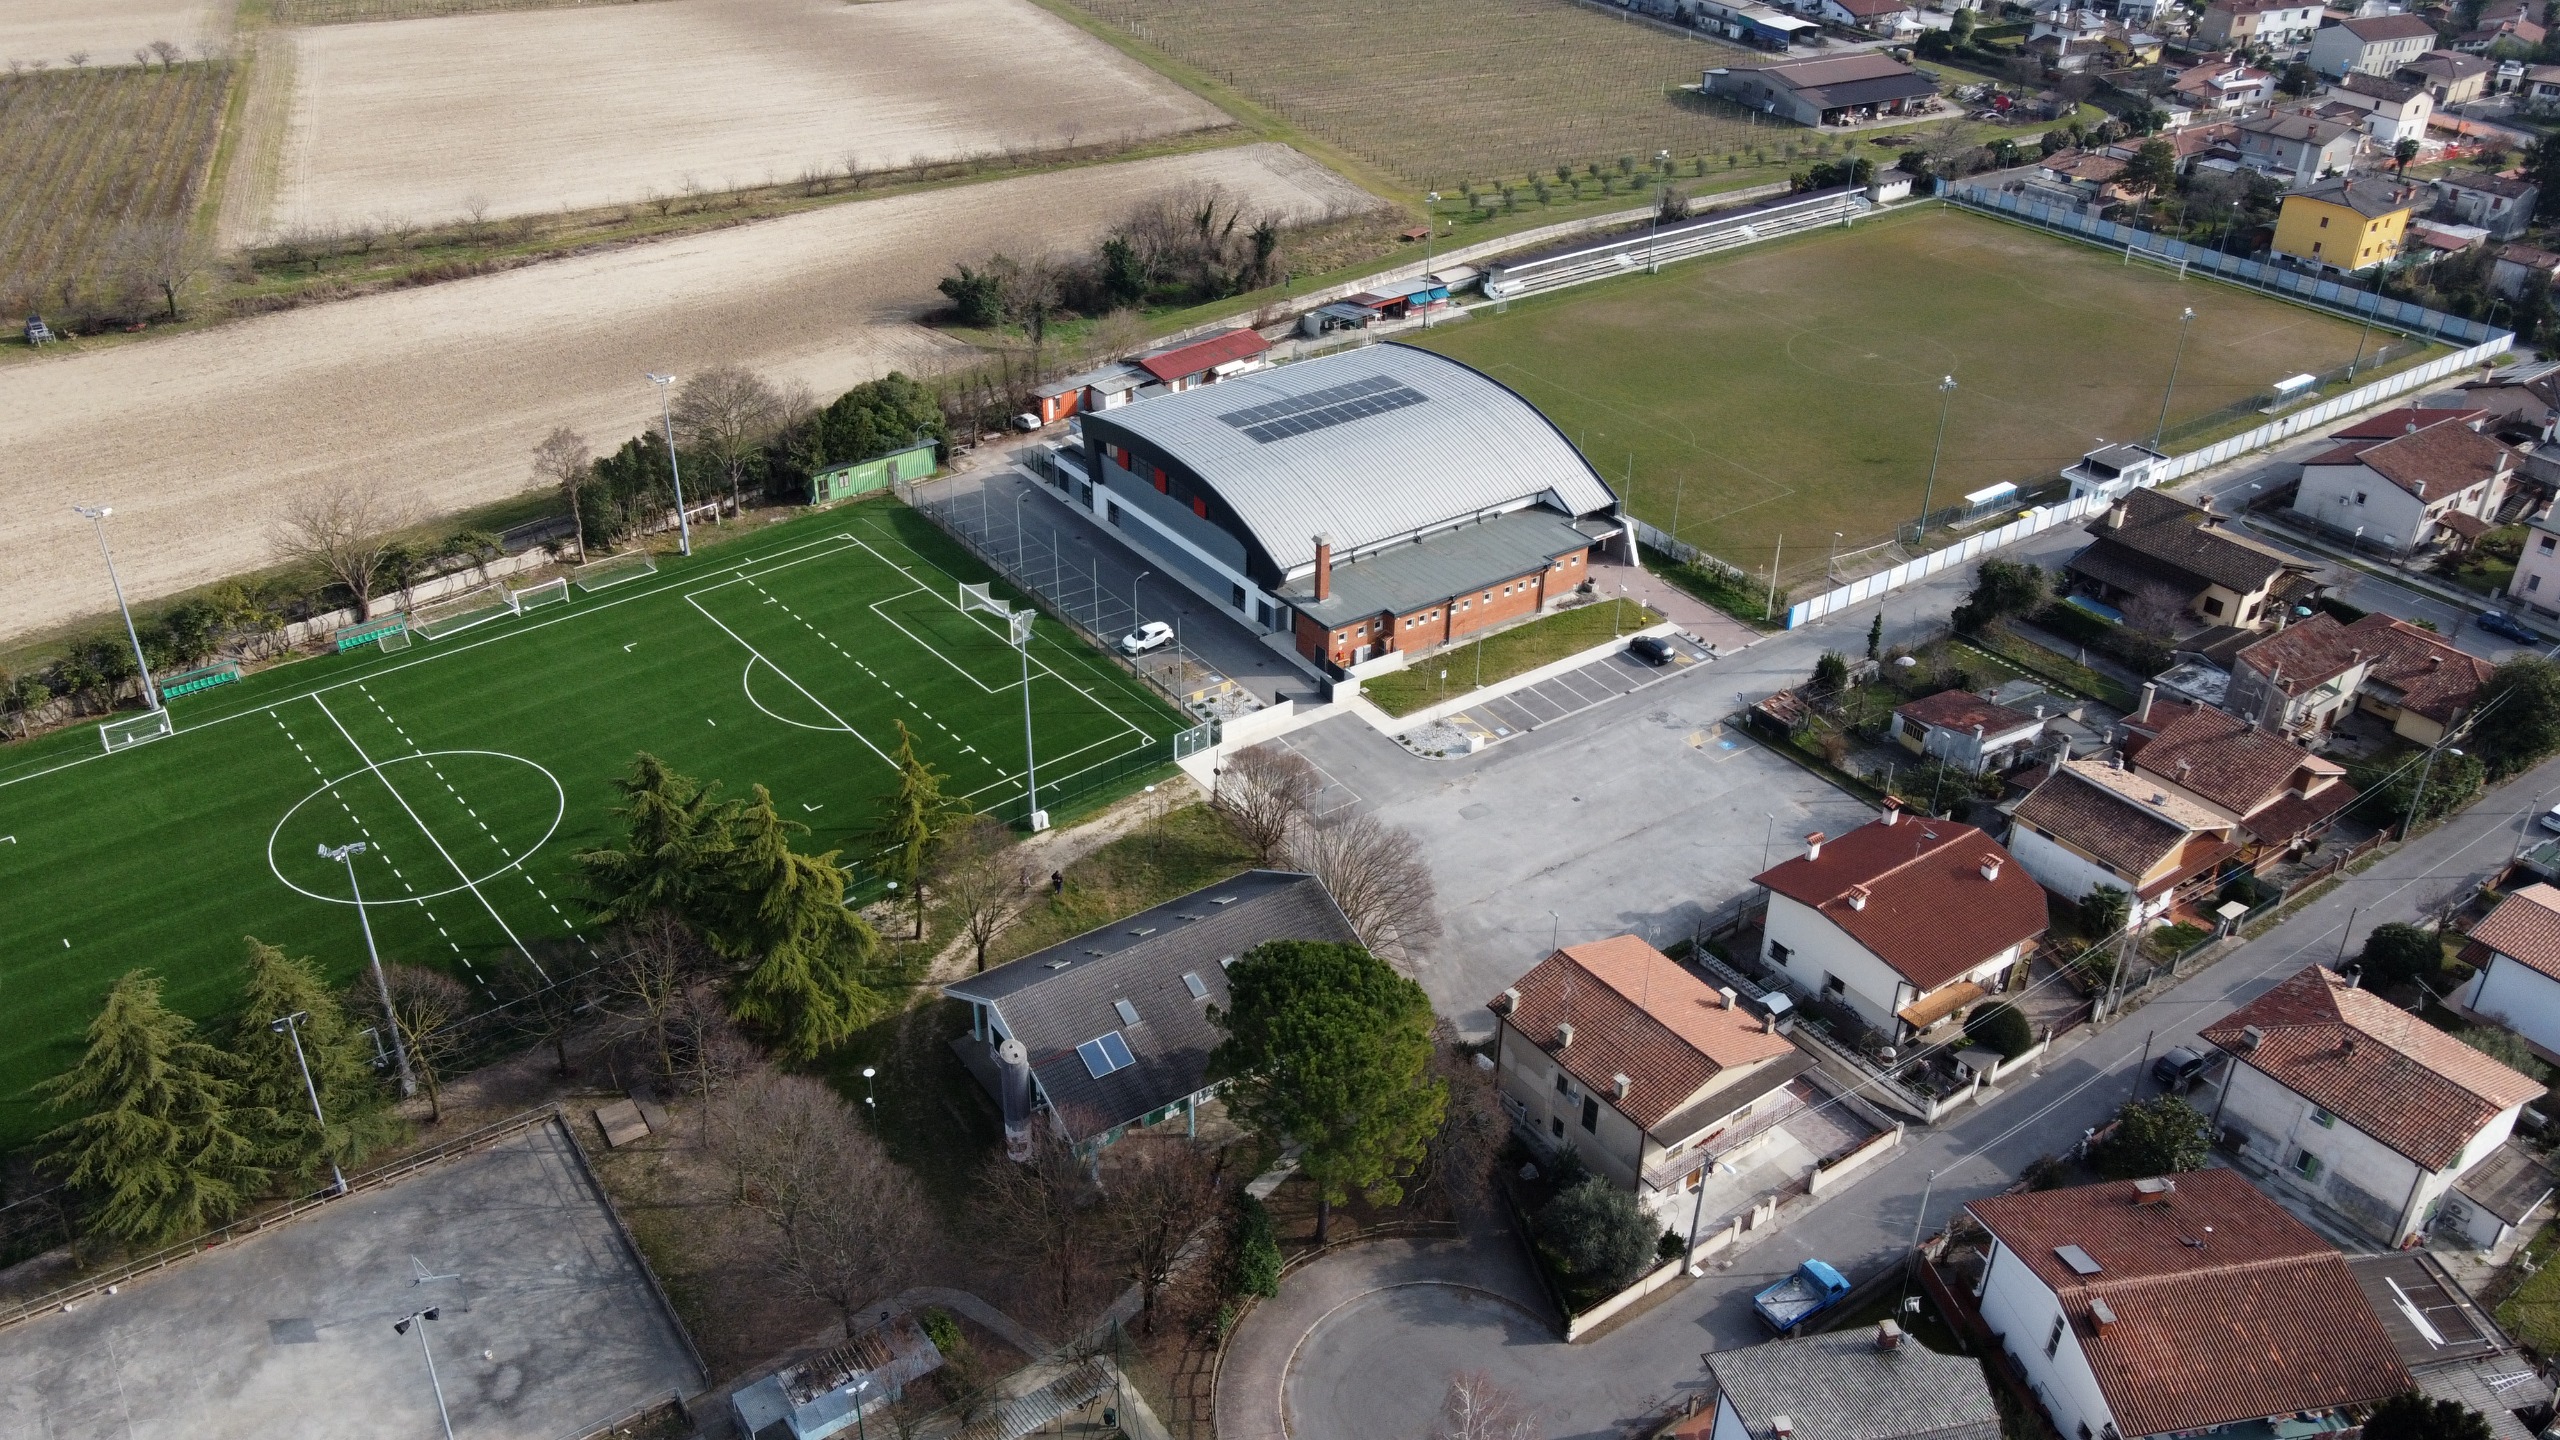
x: 2419, y: 794
x: 1913, y: 1257
x: 382, y: 985
x: 666, y: 414
x: 97, y: 515
x: 2186, y: 318
x: 1946, y: 400
x: 1135, y: 618
x: 870, y: 1096
x: 1831, y: 562
x: 402, y: 1326
x: 2367, y: 333
x: 1037, y: 818
x: 290, y: 1025
x: 1430, y: 238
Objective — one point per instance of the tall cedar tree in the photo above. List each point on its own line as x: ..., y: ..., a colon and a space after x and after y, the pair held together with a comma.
x: 784, y: 912
x: 680, y: 839
x: 1329, y: 1047
x: 912, y: 821
x: 156, y: 1149
x: 274, y: 1106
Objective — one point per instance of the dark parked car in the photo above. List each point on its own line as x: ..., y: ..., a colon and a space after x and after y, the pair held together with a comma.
x: 1651, y: 649
x: 2498, y: 622
x: 2179, y: 1070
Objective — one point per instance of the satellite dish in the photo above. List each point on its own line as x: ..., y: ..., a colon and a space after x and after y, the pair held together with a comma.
x: 1012, y: 1053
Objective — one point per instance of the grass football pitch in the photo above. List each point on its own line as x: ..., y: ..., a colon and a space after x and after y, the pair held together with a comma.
x: 475, y: 766
x: 1788, y: 391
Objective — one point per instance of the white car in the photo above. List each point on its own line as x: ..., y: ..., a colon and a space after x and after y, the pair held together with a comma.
x: 2551, y: 819
x: 1154, y: 635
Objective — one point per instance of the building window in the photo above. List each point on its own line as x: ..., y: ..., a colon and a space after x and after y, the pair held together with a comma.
x: 2546, y: 545
x: 1560, y: 1083
x: 1200, y: 506
x: 2212, y: 606
x: 1235, y: 596
x: 1555, y: 1126
x: 2532, y: 583
x: 2360, y: 495
x: 1590, y: 1115
x: 2053, y: 1342
x: 1779, y: 954
x: 2324, y: 222
x: 2307, y: 1165
x: 1156, y: 473
x: 2323, y: 1118
x: 1833, y: 987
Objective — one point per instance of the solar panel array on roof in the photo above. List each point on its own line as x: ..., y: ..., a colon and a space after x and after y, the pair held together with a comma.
x: 1323, y: 409
x: 2079, y: 1260
x: 1105, y: 1054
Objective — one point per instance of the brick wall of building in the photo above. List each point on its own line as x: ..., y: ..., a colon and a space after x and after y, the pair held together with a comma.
x: 1454, y: 620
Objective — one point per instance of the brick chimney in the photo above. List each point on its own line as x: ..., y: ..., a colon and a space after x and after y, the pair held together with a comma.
x: 1990, y: 865
x: 1892, y: 809
x: 1813, y: 845
x: 1324, y: 567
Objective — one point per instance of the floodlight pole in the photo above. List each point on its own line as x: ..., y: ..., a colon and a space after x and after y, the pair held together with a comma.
x: 2186, y: 318
x: 381, y: 984
x: 419, y: 1319
x: 666, y: 414
x: 97, y: 515
x: 290, y: 1026
x: 1030, y: 765
x: 1946, y: 401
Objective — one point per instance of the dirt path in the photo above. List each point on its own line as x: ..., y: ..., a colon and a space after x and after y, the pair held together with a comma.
x: 438, y: 395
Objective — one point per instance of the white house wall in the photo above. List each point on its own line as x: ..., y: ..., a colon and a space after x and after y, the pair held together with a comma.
x: 2392, y: 517
x: 2520, y: 997
x: 2069, y: 874
x: 2360, y: 1177
x: 1817, y: 947
x: 2020, y: 1309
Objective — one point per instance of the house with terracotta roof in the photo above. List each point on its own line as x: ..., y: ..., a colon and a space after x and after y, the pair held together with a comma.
x: 2391, y: 110
x: 2148, y: 548
x: 2301, y: 680
x: 1205, y: 360
x: 1611, y: 1050
x: 2451, y: 77
x: 1905, y: 920
x: 2222, y: 86
x: 2353, y: 1103
x: 2516, y: 952
x: 2281, y: 798
x: 2178, y: 1306
x: 2392, y: 493
x: 2236, y: 24
x: 1968, y: 731
x: 2092, y: 824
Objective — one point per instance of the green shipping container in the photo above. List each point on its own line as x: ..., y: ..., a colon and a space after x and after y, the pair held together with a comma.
x: 861, y: 477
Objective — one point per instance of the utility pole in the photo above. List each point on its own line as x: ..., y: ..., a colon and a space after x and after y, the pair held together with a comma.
x: 1768, y: 608
x: 291, y: 1025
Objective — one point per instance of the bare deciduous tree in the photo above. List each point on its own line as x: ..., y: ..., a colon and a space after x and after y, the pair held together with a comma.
x: 1268, y: 795
x: 166, y: 254
x: 1477, y: 1408
x: 564, y: 460
x: 850, y: 1226
x: 429, y: 1007
x: 1044, y: 1216
x: 983, y: 879
x: 1162, y: 1192
x: 79, y: 59
x: 1473, y: 1129
x: 544, y: 1007
x: 168, y: 52
x: 726, y: 414
x: 642, y: 988
x: 347, y: 530
x: 1377, y: 875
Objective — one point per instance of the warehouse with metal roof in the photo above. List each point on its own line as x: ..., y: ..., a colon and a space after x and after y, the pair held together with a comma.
x: 1379, y: 499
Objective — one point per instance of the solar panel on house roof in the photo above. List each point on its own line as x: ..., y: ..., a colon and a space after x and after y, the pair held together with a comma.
x: 1105, y: 1054
x: 2079, y: 1260
x: 1323, y: 409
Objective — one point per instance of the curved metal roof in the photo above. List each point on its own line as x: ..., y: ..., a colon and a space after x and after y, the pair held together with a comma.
x: 1364, y: 447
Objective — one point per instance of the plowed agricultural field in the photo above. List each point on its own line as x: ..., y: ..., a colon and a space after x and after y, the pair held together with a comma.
x: 108, y: 30
x: 513, y: 113
x: 437, y: 395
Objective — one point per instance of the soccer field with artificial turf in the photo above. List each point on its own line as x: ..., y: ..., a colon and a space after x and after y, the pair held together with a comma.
x: 475, y: 766
x: 1768, y: 397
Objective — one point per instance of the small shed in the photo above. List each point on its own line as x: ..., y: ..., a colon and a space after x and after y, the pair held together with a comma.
x: 861, y: 477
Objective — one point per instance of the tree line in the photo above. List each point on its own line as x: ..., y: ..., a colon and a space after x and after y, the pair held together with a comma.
x: 1185, y: 248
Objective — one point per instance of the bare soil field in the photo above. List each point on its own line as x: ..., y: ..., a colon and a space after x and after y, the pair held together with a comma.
x: 108, y: 31
x: 438, y: 394
x: 342, y: 12
x: 524, y: 112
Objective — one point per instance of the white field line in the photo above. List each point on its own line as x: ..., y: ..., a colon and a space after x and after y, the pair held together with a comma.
x: 414, y: 818
x: 788, y: 678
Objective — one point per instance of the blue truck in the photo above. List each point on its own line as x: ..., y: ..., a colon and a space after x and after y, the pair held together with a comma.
x: 1814, y: 1288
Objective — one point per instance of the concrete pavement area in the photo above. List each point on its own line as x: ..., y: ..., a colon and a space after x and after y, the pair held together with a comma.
x: 546, y: 1324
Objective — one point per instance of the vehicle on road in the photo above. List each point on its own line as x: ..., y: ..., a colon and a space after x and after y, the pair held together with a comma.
x: 2180, y: 1069
x: 2499, y: 622
x: 2551, y: 820
x: 1651, y: 649
x: 1814, y: 1288
x: 1154, y: 635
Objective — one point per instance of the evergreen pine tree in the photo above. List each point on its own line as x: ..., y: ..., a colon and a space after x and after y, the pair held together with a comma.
x: 156, y: 1149
x: 274, y: 1105
x: 679, y: 838
x: 785, y: 913
x: 1875, y: 630
x: 911, y: 822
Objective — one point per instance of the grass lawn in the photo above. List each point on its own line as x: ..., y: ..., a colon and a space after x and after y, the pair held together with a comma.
x: 476, y: 766
x: 1506, y: 653
x: 1763, y: 401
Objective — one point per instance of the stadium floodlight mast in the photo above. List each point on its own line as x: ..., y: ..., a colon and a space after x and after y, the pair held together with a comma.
x: 97, y: 515
x: 1946, y: 399
x: 666, y: 414
x: 291, y: 1025
x: 2186, y: 318
x: 1030, y: 767
x: 402, y: 1325
x: 346, y: 854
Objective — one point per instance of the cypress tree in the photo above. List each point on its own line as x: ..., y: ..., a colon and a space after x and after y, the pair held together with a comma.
x: 912, y: 820
x: 274, y: 1105
x: 785, y: 913
x: 156, y: 1149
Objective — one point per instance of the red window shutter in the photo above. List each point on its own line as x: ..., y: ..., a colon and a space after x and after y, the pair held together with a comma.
x: 1159, y: 474
x: 1200, y: 506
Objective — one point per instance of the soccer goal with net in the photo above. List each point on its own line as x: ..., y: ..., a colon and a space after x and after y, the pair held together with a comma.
x: 392, y: 642
x: 980, y: 598
x: 128, y: 731
x: 613, y: 570
x: 450, y: 617
x: 554, y: 591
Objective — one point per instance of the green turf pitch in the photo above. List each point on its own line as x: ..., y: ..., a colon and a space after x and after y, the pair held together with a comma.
x: 1786, y: 391
x: 475, y: 766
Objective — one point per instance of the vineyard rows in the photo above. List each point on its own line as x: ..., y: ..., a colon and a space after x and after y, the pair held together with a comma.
x: 340, y: 12
x: 96, y: 157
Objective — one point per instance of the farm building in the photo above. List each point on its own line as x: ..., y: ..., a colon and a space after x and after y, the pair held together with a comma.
x: 1382, y: 499
x: 1754, y: 25
x: 1832, y: 90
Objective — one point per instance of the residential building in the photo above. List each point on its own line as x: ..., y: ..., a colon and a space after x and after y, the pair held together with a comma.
x: 2221, y: 87
x: 1889, y: 18
x: 1905, y: 920
x: 1829, y: 90
x: 2523, y: 397
x: 1189, y: 364
x: 2179, y: 1306
x: 2521, y: 267
x: 1111, y: 1029
x: 2451, y: 77
x: 2500, y: 204
x: 2536, y: 583
x: 1613, y: 1051
x: 2089, y: 177
x: 1857, y: 1384
x: 2354, y: 1103
x: 1374, y: 500
x: 2303, y: 679
x: 2112, y: 469
x: 2516, y: 950
x: 2392, y: 494
x: 2376, y: 45
x: 2281, y: 797
x: 2240, y: 24
x: 2092, y: 825
x: 1751, y: 23
x: 2540, y: 89
x: 2298, y: 148
x: 2394, y: 110
x: 2345, y: 223
x: 1965, y: 730
x: 2150, y: 551
x: 2511, y: 28
x: 2453, y: 1348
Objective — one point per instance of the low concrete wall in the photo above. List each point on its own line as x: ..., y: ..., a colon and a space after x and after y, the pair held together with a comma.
x: 1855, y: 1161
x: 1600, y: 1314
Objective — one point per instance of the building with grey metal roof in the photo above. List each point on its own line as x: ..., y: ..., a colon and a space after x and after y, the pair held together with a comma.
x: 1864, y: 1384
x: 1277, y: 488
x: 1114, y: 1024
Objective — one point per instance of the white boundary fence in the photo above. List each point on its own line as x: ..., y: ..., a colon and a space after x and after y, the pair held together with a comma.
x: 1635, y: 250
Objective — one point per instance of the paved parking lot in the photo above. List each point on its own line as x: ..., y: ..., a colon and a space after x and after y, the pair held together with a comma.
x: 1575, y: 691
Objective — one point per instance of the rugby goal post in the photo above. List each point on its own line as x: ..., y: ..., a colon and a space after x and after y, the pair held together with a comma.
x: 132, y: 730
x: 613, y: 570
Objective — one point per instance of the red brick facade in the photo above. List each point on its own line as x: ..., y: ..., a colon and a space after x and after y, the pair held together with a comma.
x: 1442, y: 623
